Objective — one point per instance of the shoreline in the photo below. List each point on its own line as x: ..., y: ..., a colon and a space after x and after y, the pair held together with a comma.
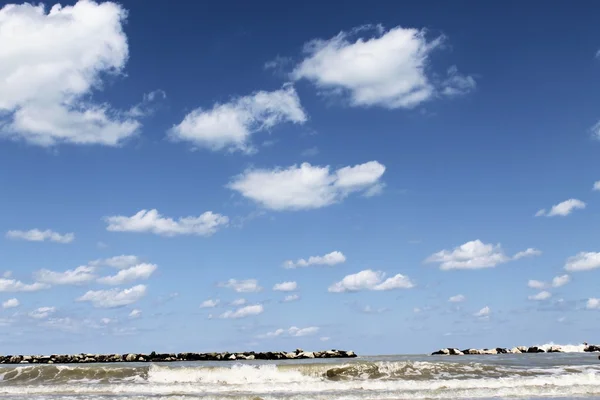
x: 89, y: 358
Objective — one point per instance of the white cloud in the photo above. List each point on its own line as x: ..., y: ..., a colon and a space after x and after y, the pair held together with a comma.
x: 77, y: 276
x: 10, y: 303
x: 229, y: 126
x: 298, y: 332
x: 475, y: 255
x: 562, y: 209
x: 210, y: 303
x: 36, y: 235
x: 42, y: 312
x: 52, y: 63
x: 135, y: 313
x: 483, y: 313
x: 370, y: 280
x: 370, y: 310
x: 242, y: 286
x: 530, y: 252
x: 544, y: 295
x: 292, y: 331
x: 596, y: 185
x: 290, y: 298
x: 140, y: 271
x: 305, y: 187
x: 243, y: 312
x: 330, y: 259
x: 113, y: 298
x: 459, y: 298
x: 385, y: 69
x: 238, y: 302
x: 456, y: 84
x: 532, y: 283
x: 559, y: 281
x: 583, y: 261
x: 324, y: 339
x: 151, y: 221
x: 593, y: 304
x: 12, y: 285
x: 285, y: 287
x: 123, y: 261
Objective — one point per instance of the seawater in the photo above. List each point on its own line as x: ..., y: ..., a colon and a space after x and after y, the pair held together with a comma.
x: 522, y: 376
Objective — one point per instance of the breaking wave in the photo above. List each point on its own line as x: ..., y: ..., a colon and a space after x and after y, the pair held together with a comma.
x: 352, y: 380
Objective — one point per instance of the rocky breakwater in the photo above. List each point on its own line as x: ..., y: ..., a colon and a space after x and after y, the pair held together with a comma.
x: 172, y: 357
x: 515, y: 350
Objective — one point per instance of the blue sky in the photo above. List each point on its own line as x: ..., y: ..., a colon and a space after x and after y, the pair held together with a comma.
x: 384, y: 166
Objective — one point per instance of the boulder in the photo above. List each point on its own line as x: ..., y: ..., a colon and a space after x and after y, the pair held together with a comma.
x: 306, y: 354
x: 535, y: 349
x: 555, y: 349
x: 523, y: 349
x: 232, y: 357
x: 442, y: 352
x: 490, y: 351
x: 515, y: 350
x: 131, y: 357
x: 291, y: 356
x: 591, y: 348
x: 455, y: 352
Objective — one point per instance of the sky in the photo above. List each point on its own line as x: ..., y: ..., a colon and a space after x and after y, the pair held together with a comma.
x: 232, y: 176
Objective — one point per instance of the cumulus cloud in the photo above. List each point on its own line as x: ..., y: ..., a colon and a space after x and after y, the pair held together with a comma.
x: 544, y: 295
x: 113, y: 298
x: 292, y: 332
x: 42, y: 312
x: 242, y: 286
x: 36, y: 235
x: 370, y: 280
x: 230, y: 125
x: 530, y: 252
x: 475, y: 255
x: 459, y: 298
x: 306, y: 186
x: 559, y: 281
x: 483, y: 313
x: 596, y: 185
x: 329, y: 259
x: 12, y: 285
x: 10, y: 303
x: 120, y: 262
x: 290, y: 298
x: 77, y: 276
x: 243, y: 312
x: 383, y: 68
x: 593, y: 304
x: 210, y: 303
x: 135, y: 313
x: 285, y: 287
x: 534, y: 284
x: 583, y: 261
x: 562, y: 209
x: 153, y: 222
x: 140, y: 271
x: 238, y: 302
x: 53, y: 61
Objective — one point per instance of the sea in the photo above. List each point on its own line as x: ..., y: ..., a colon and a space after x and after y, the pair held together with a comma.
x: 569, y: 375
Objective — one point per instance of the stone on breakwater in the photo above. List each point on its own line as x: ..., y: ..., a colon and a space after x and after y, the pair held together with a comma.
x: 515, y: 350
x: 172, y: 357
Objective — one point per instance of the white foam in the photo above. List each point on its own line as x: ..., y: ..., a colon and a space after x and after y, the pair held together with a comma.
x: 565, y: 348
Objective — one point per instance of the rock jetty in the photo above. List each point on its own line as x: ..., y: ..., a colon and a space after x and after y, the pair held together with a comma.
x: 172, y: 357
x: 515, y: 350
